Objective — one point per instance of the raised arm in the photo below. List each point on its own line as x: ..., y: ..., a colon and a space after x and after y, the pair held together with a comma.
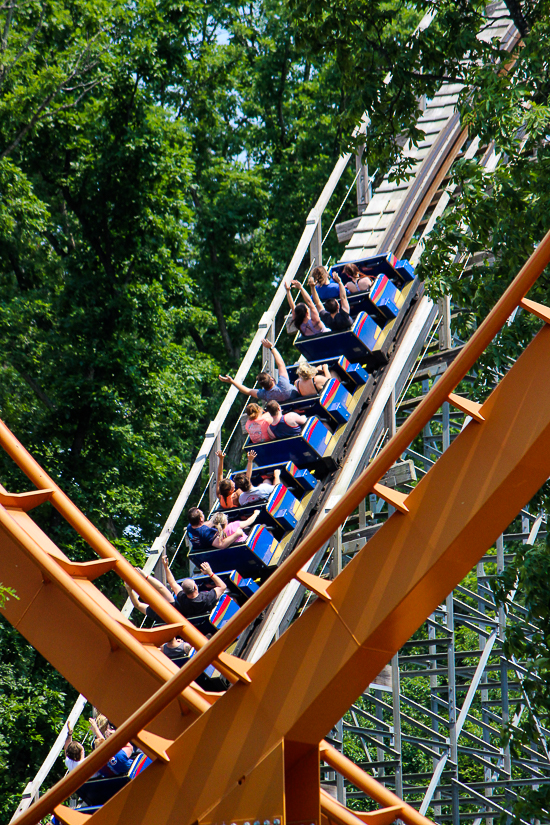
x: 141, y: 606
x: 160, y: 588
x: 251, y: 519
x: 226, y: 379
x: 344, y: 303
x: 307, y: 300
x: 279, y: 363
x: 314, y: 295
x: 305, y: 296
x: 69, y: 738
x: 250, y: 456
x: 97, y: 733
x: 276, y: 477
x: 289, y: 298
x: 219, y: 472
x: 219, y: 586
x: 172, y: 583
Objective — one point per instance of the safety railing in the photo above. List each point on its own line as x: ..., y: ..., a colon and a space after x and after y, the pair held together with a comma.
x: 291, y: 568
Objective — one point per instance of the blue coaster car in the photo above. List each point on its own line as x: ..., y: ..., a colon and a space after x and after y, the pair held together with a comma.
x: 362, y: 343
x: 224, y: 610
x: 405, y: 273
x: 283, y: 507
x: 307, y: 449
x: 350, y: 374
x: 385, y: 297
x: 372, y: 267
x: 337, y: 401
x: 299, y: 481
x: 95, y: 792
x: 333, y: 403
x: 251, y: 558
x: 278, y: 512
x: 400, y: 272
x: 240, y: 588
x: 355, y: 372
x: 209, y: 623
x: 303, y: 478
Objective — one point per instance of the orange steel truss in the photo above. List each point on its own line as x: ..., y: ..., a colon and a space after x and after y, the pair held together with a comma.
x: 253, y: 753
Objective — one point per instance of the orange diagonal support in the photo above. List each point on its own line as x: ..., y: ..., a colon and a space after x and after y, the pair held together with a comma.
x: 369, y: 785
x: 50, y: 491
x: 341, y: 815
x: 305, y: 682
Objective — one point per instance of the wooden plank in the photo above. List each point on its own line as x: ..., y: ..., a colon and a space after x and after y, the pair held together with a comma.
x: 345, y: 230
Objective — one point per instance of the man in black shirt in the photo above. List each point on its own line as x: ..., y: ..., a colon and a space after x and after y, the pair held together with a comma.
x: 185, y: 597
x: 192, y: 602
x: 335, y: 314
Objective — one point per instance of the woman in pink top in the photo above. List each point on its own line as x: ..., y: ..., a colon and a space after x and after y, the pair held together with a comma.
x: 226, y: 528
x: 257, y: 424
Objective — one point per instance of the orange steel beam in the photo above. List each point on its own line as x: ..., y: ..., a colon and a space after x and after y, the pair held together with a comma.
x: 339, y: 814
x: 40, y: 583
x: 305, y: 682
x: 232, y: 668
x: 369, y: 785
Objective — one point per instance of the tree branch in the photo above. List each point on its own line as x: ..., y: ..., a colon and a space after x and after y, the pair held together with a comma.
x: 34, y: 386
x: 31, y: 38
x: 516, y: 13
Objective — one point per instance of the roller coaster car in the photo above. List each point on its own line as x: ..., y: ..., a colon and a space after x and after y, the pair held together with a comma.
x: 400, y: 272
x: 299, y: 481
x: 362, y: 343
x: 209, y: 623
x: 253, y: 558
x: 239, y: 587
x: 334, y: 403
x: 95, y: 792
x: 351, y: 375
x: 312, y: 448
x: 279, y: 512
